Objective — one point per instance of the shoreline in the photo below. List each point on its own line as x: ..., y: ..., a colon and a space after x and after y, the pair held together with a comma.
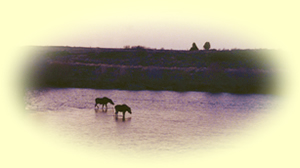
x: 237, y: 71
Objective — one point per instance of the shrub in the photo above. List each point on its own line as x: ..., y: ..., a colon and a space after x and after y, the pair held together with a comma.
x: 194, y: 47
x: 206, y: 46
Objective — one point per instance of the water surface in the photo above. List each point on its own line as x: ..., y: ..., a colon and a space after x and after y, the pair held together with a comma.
x: 161, y: 122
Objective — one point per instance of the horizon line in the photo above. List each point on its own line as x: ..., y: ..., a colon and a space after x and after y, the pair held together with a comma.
x: 149, y: 48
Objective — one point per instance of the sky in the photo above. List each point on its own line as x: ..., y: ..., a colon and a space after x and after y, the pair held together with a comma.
x: 153, y: 24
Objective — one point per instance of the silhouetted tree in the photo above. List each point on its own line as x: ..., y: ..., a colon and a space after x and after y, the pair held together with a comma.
x: 194, y: 47
x: 206, y: 46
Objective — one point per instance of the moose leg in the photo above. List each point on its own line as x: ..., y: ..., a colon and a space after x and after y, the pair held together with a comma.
x: 105, y: 107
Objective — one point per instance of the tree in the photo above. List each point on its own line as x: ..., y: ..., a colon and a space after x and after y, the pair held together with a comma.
x: 206, y: 46
x: 194, y: 47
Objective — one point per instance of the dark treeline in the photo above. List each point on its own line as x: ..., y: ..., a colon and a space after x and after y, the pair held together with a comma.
x: 234, y: 71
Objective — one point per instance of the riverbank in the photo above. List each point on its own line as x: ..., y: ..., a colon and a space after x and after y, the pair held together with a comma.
x: 233, y: 71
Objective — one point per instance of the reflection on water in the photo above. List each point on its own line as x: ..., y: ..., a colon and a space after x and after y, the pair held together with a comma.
x: 161, y: 121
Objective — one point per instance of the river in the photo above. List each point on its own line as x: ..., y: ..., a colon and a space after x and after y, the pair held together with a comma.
x: 162, y: 122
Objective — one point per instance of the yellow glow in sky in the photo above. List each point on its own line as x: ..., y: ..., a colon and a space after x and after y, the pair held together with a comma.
x: 154, y: 24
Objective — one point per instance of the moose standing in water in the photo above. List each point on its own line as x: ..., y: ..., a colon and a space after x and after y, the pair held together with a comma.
x: 122, y: 108
x: 103, y: 101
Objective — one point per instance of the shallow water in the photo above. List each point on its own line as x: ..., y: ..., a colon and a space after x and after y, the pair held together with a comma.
x: 161, y: 121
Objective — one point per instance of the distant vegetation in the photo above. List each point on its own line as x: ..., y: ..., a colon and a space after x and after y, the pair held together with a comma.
x: 194, y: 47
x: 141, y: 68
x: 249, y: 59
x: 206, y: 46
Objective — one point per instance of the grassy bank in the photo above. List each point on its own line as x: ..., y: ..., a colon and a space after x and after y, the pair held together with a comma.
x: 234, y: 71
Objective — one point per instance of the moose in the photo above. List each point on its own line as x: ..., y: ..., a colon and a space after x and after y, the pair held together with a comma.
x: 103, y: 101
x: 122, y: 108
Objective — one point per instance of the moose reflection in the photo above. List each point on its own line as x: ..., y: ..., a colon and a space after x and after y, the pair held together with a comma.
x: 103, y: 101
x: 122, y: 108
